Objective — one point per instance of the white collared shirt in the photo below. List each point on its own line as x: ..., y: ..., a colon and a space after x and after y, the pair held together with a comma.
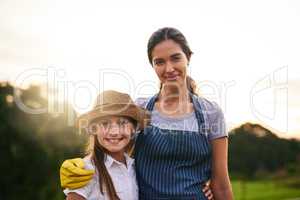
x: 124, y: 180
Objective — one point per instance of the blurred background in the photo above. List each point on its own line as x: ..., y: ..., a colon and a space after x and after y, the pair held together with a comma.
x: 56, y: 56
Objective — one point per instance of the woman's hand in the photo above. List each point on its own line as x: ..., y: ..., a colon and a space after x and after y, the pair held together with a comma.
x: 207, y: 191
x: 73, y: 175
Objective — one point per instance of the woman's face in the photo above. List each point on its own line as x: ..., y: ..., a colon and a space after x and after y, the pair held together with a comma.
x: 169, y: 62
x: 113, y: 132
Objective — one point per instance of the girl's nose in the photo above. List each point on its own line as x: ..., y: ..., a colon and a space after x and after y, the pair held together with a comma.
x: 114, y: 130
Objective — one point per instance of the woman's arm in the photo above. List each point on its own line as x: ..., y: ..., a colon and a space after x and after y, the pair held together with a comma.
x: 220, y: 182
x: 74, y: 196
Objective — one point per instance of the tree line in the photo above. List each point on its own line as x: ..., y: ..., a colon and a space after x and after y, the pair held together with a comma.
x: 32, y: 148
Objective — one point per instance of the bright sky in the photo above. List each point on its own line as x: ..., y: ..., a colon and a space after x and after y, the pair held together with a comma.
x: 246, y: 54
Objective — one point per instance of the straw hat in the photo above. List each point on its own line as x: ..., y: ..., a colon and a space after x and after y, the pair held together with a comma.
x: 113, y: 103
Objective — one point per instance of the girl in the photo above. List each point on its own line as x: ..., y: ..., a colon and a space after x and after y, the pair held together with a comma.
x: 111, y: 123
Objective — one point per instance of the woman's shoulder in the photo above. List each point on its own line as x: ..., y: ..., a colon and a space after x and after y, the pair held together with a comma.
x: 214, y: 117
x: 209, y: 105
x: 210, y: 109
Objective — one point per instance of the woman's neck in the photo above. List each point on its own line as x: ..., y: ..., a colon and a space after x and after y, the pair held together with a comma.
x: 174, y: 101
x: 174, y: 94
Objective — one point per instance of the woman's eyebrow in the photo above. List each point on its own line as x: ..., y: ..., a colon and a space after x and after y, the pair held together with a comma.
x: 175, y: 55
x: 157, y: 59
x: 172, y: 56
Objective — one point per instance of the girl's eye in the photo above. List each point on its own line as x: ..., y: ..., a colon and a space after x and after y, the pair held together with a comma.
x: 93, y: 129
x: 104, y: 124
x: 123, y: 122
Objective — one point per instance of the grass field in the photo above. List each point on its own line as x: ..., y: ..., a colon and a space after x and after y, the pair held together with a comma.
x: 267, y: 190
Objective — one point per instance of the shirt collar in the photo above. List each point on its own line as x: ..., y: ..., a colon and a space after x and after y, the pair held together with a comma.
x: 129, y: 160
x: 109, y: 161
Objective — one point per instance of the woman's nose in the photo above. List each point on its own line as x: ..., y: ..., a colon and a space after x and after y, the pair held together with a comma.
x: 169, y: 67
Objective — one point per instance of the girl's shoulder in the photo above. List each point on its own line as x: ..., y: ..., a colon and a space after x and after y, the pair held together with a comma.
x: 142, y: 101
x: 88, y: 163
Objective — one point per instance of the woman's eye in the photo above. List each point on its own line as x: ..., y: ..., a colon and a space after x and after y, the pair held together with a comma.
x: 159, y: 62
x: 176, y: 58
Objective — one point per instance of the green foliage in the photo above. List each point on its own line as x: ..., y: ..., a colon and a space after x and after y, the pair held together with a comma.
x: 255, y: 151
x: 265, y: 190
x: 33, y: 148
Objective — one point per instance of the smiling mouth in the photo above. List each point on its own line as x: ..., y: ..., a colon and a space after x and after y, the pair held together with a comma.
x: 171, y: 78
x: 114, y: 140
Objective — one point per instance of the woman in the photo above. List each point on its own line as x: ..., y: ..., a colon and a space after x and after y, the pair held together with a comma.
x: 186, y: 143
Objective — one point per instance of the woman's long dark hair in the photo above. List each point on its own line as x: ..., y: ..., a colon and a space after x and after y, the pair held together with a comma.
x: 169, y: 33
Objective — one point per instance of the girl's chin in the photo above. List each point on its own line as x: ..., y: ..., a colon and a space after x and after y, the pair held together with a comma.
x: 116, y: 150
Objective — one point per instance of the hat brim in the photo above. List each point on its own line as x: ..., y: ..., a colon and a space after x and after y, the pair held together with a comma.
x: 142, y: 116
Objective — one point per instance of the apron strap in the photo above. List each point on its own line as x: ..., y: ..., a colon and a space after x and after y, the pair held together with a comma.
x: 199, y: 114
x: 151, y: 102
x: 197, y: 107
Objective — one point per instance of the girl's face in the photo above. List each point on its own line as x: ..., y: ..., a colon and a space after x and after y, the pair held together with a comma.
x: 113, y: 133
x: 169, y: 62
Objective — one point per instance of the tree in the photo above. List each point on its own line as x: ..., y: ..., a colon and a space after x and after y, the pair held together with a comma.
x: 33, y: 147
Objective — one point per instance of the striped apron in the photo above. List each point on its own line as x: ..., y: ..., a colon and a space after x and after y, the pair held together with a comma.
x: 173, y: 164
